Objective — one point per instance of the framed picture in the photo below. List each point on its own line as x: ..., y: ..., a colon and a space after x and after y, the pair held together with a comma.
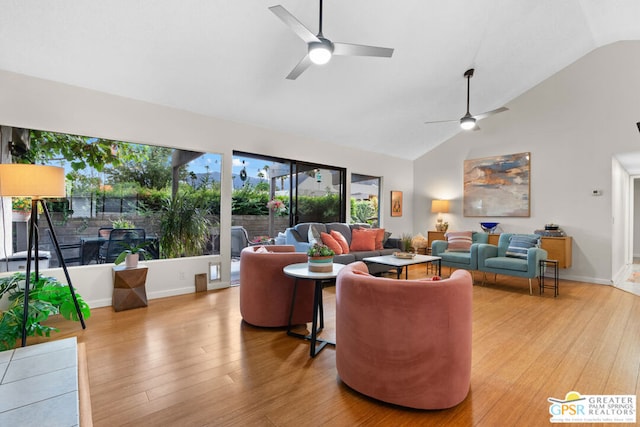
x: 396, y: 203
x: 497, y: 186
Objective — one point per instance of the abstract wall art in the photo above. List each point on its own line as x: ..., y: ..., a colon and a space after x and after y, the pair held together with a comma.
x: 497, y: 186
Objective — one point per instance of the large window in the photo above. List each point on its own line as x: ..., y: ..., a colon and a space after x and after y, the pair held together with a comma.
x: 115, y: 184
x: 365, y: 194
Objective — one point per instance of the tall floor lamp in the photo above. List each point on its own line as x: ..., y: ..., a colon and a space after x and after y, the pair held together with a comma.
x: 38, y: 182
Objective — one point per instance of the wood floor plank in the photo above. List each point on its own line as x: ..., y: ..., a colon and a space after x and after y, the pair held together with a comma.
x: 191, y: 361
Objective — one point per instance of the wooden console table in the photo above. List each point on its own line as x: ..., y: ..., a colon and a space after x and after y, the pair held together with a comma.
x: 434, y: 235
x: 558, y: 248
x: 129, y: 288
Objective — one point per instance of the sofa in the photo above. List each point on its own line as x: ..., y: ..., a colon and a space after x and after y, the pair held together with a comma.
x: 521, y: 261
x: 405, y: 342
x: 298, y: 237
x: 266, y: 292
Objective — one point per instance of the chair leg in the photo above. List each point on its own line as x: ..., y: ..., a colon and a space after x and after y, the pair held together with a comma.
x: 484, y: 277
x: 530, y: 289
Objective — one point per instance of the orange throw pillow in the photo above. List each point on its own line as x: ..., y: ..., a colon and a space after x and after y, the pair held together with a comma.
x: 329, y: 241
x: 379, y: 237
x: 362, y: 239
x: 341, y: 240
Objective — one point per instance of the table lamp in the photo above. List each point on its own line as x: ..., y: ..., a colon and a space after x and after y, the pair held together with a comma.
x: 37, y: 182
x: 440, y: 207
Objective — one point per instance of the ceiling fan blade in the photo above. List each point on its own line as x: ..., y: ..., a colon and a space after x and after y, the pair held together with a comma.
x: 443, y: 121
x: 490, y: 113
x: 348, y: 49
x: 298, y: 69
x: 293, y: 23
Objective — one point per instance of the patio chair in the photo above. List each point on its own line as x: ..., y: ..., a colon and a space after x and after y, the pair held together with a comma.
x: 239, y: 240
x: 119, y: 238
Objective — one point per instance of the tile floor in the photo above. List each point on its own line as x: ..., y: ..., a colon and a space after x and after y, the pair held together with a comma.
x: 39, y: 385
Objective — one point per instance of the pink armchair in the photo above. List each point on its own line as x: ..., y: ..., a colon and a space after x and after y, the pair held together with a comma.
x: 266, y: 293
x: 406, y: 342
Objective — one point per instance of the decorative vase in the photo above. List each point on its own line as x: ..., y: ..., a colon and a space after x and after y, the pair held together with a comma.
x: 321, y: 264
x: 131, y: 260
x: 20, y: 216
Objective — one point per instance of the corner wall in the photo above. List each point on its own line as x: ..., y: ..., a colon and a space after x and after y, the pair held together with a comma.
x: 572, y: 124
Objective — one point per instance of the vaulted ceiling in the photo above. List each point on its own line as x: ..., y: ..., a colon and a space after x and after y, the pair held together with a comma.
x: 228, y: 59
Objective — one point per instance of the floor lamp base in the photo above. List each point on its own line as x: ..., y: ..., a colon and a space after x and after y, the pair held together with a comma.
x: 32, y: 248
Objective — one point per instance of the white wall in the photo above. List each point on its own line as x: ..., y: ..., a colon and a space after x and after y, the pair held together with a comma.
x: 621, y: 221
x: 572, y: 123
x: 636, y: 217
x: 38, y: 104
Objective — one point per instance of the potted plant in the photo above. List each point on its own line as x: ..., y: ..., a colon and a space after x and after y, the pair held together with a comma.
x: 47, y: 296
x: 320, y: 258
x: 21, y: 208
x: 132, y: 253
x: 122, y: 223
x: 406, y: 242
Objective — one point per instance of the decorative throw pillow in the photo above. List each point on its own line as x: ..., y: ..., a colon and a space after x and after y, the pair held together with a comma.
x: 313, y: 236
x: 520, y: 244
x: 387, y: 234
x: 362, y: 239
x: 459, y: 241
x: 342, y: 241
x: 328, y: 240
x: 379, y: 232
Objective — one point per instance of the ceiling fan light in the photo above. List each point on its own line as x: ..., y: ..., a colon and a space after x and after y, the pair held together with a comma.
x: 467, y: 123
x: 320, y: 52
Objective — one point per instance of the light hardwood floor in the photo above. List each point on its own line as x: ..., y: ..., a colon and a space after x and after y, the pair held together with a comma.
x: 191, y: 361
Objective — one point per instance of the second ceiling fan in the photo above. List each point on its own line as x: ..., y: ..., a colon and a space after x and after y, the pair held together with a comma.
x: 320, y: 49
x: 468, y: 121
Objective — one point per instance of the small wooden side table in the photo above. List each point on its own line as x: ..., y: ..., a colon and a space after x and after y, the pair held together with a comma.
x: 129, y: 288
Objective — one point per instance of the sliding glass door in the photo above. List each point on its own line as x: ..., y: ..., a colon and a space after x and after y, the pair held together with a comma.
x: 301, y: 191
x: 318, y: 194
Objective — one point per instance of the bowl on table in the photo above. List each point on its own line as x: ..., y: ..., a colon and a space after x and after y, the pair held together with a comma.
x: 489, y: 227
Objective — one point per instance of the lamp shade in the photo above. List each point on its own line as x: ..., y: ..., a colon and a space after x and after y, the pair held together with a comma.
x: 35, y: 181
x: 440, y: 206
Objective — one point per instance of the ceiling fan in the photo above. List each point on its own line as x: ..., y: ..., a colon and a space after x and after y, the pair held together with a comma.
x: 321, y: 49
x: 469, y: 122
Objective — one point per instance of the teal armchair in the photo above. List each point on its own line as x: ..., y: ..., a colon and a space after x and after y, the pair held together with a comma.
x: 512, y: 257
x: 464, y: 260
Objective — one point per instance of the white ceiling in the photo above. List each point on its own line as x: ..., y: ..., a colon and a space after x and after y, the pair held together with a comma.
x: 229, y: 59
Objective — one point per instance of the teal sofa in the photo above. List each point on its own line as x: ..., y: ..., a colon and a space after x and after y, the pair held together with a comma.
x: 500, y: 259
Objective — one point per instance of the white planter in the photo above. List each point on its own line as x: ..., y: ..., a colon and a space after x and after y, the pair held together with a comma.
x: 20, y: 216
x: 131, y: 260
